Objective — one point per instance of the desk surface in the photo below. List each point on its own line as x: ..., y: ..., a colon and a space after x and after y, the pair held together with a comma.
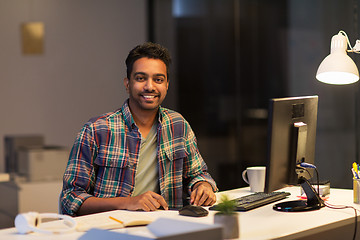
x: 260, y: 223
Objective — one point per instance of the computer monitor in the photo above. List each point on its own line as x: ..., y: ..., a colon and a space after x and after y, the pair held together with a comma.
x: 291, y: 140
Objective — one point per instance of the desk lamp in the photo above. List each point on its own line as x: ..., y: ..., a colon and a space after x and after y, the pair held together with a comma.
x: 338, y: 68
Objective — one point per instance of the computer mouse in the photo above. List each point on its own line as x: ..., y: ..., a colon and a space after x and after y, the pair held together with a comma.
x: 193, y: 211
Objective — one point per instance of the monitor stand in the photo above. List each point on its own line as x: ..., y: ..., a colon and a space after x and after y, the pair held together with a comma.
x: 313, y: 202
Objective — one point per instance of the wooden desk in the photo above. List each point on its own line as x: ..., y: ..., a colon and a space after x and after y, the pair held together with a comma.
x: 262, y: 223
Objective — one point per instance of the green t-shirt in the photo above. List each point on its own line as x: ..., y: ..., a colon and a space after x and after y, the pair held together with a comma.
x: 146, y: 178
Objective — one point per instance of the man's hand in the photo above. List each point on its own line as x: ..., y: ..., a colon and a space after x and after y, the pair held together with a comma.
x: 202, y: 194
x: 148, y: 201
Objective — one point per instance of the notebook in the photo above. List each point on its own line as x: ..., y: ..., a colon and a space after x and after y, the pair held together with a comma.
x: 112, y: 220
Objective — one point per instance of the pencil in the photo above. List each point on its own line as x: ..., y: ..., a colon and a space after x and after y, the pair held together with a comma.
x: 117, y: 220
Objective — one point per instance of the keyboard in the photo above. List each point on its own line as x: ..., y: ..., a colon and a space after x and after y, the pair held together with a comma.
x: 256, y: 200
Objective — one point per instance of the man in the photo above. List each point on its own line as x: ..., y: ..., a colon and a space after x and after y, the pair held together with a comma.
x: 140, y: 157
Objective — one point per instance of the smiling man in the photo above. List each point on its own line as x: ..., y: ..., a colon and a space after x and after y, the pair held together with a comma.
x: 141, y: 156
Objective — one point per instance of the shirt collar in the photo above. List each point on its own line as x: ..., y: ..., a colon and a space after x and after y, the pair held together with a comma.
x: 129, y: 121
x: 128, y: 117
x: 160, y: 114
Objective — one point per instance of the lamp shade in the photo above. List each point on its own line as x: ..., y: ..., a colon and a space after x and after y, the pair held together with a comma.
x: 338, y: 67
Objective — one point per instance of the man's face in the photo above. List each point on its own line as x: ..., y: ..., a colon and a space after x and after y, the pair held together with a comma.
x: 148, y: 84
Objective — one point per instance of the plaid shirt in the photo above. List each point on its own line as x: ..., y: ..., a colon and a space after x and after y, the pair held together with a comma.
x: 104, y: 157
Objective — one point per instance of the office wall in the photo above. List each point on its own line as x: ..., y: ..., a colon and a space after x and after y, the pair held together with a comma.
x: 80, y: 73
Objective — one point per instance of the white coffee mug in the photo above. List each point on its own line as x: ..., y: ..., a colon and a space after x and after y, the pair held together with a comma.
x: 255, y: 177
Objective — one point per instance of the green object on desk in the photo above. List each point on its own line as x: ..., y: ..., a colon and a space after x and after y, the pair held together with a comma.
x: 226, y: 206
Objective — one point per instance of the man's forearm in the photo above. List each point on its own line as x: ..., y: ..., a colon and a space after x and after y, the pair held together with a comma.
x: 95, y: 205
x: 148, y: 201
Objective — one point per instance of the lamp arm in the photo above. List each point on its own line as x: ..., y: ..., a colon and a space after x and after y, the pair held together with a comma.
x: 356, y: 48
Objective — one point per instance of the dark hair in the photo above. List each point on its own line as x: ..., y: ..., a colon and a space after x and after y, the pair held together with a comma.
x: 148, y: 50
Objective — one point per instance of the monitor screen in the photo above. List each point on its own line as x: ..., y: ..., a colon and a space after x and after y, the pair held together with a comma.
x: 291, y: 139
